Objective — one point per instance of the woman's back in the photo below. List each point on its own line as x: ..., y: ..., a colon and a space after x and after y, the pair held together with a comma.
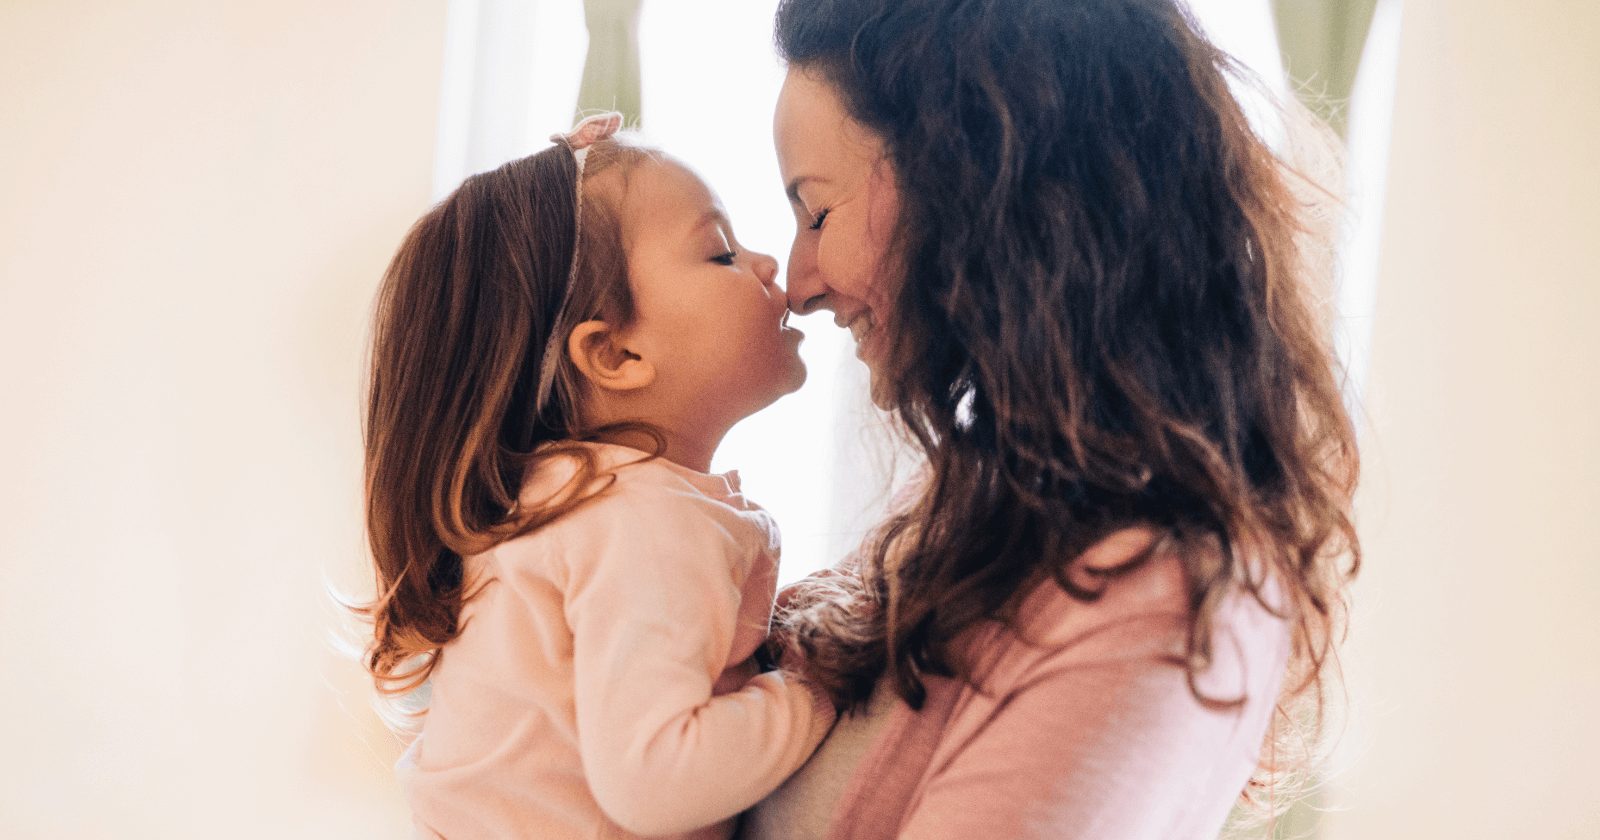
x: 1083, y: 708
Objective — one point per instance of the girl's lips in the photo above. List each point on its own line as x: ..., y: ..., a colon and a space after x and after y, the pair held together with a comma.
x: 785, y: 329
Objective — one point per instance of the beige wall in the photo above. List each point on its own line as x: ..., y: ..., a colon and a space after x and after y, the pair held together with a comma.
x: 1475, y: 659
x: 196, y: 199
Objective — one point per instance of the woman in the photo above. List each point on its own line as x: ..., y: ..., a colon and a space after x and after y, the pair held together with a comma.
x: 1076, y: 277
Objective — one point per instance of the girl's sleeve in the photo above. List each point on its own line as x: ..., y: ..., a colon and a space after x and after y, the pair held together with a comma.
x: 653, y: 600
x: 1102, y: 745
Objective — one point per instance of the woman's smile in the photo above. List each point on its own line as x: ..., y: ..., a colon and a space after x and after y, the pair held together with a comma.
x: 862, y: 327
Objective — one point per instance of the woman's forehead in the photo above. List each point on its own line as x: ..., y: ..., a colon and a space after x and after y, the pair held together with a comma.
x: 812, y: 130
x: 805, y: 104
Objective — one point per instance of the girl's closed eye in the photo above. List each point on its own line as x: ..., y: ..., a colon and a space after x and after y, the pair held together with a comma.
x: 726, y: 258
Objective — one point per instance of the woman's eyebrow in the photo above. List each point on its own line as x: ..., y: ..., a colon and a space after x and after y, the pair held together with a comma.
x: 793, y: 190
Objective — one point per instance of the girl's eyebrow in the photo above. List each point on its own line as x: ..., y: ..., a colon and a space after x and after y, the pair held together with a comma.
x: 714, y: 217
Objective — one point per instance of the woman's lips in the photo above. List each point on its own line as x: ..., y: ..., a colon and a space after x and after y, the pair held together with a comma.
x: 861, y: 329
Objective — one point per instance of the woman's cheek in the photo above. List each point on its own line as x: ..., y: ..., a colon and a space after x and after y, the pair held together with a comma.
x: 845, y: 266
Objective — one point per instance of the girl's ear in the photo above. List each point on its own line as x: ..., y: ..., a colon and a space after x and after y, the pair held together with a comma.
x: 595, y: 349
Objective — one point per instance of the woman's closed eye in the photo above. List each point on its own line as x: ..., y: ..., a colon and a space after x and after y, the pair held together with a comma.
x: 726, y: 258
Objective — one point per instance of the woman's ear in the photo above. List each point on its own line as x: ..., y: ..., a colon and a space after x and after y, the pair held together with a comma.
x: 596, y: 350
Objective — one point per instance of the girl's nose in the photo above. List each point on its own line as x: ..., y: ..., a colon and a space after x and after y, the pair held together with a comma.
x: 766, y: 268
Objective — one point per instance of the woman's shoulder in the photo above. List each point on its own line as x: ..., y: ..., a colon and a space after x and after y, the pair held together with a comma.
x: 1086, y: 713
x: 1135, y: 580
x: 1141, y: 612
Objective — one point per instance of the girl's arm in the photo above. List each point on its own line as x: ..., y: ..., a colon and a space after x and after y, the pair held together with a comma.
x: 653, y: 604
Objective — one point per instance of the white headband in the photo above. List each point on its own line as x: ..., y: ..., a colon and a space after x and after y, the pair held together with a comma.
x: 586, y: 133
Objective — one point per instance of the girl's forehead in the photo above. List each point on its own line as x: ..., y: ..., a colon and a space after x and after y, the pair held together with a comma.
x: 667, y: 196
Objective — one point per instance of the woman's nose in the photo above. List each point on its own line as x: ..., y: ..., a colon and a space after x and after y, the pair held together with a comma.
x: 806, y: 289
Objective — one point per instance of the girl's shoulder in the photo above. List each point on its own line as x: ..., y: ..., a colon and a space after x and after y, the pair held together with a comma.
x: 622, y: 472
x: 625, y: 500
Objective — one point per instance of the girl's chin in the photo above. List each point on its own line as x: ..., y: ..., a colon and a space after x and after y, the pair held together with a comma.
x: 788, y: 375
x: 797, y: 374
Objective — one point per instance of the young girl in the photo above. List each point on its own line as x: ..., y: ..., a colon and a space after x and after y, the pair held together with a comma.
x: 560, y: 346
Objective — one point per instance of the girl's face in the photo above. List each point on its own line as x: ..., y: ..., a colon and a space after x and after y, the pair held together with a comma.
x: 709, y: 314
x: 841, y: 187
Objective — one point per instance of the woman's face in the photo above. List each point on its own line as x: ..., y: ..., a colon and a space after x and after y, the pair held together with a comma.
x: 842, y: 189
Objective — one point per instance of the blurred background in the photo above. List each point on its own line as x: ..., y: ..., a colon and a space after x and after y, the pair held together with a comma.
x: 197, y: 200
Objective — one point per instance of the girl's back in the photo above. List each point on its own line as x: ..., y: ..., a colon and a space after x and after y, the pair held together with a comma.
x: 583, y: 612
x: 588, y: 640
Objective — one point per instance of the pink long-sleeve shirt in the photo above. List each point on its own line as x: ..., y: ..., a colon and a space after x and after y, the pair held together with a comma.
x: 1076, y: 730
x: 602, y: 685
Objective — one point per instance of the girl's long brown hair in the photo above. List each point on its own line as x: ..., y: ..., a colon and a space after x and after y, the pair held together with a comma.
x: 463, y: 317
x: 1105, y: 320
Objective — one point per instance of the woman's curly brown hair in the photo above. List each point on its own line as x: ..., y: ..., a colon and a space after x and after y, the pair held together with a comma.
x: 1105, y: 319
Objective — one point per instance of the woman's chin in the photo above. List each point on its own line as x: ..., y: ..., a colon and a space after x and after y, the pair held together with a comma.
x: 870, y: 351
x: 878, y: 390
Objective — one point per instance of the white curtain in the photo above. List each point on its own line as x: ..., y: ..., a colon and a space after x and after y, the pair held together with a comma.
x: 486, y: 89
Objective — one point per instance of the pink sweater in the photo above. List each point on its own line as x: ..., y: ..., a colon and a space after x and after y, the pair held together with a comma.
x: 1078, y: 731
x: 602, y: 686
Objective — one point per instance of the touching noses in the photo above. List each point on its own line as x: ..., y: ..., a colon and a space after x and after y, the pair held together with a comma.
x: 766, y: 269
x: 806, y: 289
